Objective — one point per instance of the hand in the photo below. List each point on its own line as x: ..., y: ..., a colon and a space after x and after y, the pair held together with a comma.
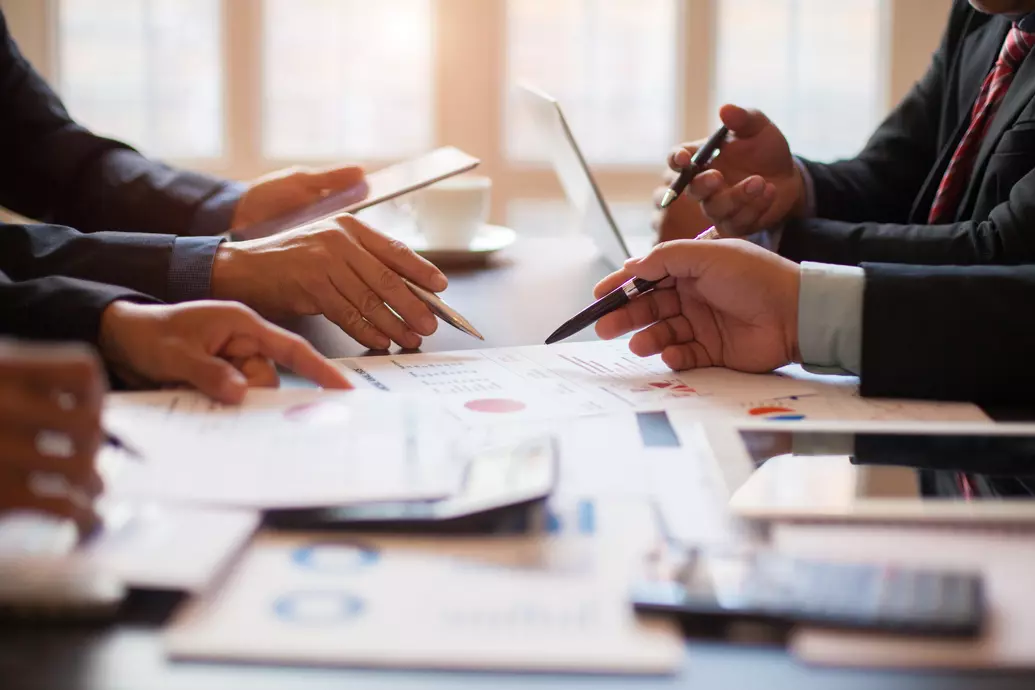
x: 285, y: 190
x: 218, y: 348
x: 753, y: 183
x: 728, y: 303
x: 682, y: 220
x: 50, y: 393
x: 341, y: 268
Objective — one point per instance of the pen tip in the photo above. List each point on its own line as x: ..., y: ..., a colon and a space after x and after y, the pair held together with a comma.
x: 667, y: 200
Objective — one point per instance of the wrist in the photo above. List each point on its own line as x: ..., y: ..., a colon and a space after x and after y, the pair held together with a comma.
x: 113, y: 337
x: 226, y: 271
x: 791, y: 336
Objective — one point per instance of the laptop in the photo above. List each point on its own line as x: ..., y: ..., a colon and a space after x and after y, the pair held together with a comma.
x: 594, y: 215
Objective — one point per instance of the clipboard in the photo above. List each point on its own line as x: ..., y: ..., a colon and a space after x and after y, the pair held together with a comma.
x: 382, y: 185
x: 500, y: 485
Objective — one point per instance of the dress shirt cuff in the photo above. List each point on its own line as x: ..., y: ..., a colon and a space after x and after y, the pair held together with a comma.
x: 217, y: 212
x: 830, y: 306
x: 810, y: 188
x: 190, y: 268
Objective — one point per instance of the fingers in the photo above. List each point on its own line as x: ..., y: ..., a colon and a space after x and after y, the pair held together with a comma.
x: 685, y: 356
x: 211, y: 375
x: 396, y: 255
x: 662, y: 334
x: 258, y: 371
x: 332, y: 179
x: 27, y: 451
x: 611, y: 282
x: 742, y: 122
x: 642, y: 311
x: 735, y: 210
x: 371, y: 304
x: 55, y: 370
x: 294, y: 353
x: 680, y: 156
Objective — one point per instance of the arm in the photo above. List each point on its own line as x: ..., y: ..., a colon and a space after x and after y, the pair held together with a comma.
x: 54, y: 170
x: 57, y: 308
x: 169, y: 268
x: 881, y: 183
x: 958, y: 333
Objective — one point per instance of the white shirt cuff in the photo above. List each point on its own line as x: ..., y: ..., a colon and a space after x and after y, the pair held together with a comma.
x: 830, y: 304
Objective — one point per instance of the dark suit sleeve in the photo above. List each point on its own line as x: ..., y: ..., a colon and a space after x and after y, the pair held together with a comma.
x: 53, y: 170
x: 949, y: 333
x: 138, y: 262
x: 57, y: 308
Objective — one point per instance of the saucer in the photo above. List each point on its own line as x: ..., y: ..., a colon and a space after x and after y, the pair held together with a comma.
x: 487, y: 241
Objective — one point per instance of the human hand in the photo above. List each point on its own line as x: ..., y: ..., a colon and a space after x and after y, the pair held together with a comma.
x: 219, y: 348
x: 50, y: 424
x: 340, y: 268
x: 753, y: 183
x: 286, y: 190
x: 683, y: 219
x: 727, y: 303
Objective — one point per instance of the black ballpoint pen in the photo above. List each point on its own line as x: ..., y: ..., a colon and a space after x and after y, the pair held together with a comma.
x: 698, y: 162
x: 116, y: 442
x: 616, y: 299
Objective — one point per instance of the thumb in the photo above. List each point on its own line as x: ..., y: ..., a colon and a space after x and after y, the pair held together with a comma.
x: 742, y: 122
x: 333, y: 179
x: 678, y: 259
x: 212, y: 376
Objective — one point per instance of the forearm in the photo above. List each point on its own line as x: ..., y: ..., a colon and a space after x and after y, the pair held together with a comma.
x: 168, y: 268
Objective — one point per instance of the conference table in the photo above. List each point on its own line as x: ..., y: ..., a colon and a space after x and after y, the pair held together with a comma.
x: 516, y: 300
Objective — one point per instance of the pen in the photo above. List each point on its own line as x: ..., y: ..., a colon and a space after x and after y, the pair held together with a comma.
x: 616, y: 299
x: 443, y: 311
x: 116, y: 442
x: 698, y: 162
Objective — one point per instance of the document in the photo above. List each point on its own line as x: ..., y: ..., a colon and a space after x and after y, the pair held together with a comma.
x: 1005, y: 559
x: 545, y: 603
x: 539, y: 382
x: 558, y: 381
x: 145, y: 546
x: 282, y: 449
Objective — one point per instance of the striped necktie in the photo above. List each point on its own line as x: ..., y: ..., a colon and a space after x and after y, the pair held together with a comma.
x: 1016, y: 46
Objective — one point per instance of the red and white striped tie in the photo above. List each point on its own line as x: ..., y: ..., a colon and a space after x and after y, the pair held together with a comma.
x: 1016, y: 46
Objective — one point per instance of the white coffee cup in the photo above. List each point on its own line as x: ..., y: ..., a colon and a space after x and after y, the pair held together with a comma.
x: 450, y: 213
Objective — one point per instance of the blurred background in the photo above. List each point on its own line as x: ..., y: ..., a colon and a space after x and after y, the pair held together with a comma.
x: 241, y: 87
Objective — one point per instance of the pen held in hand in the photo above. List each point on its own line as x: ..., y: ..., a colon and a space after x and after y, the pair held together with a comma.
x: 698, y: 162
x: 612, y: 301
x: 114, y: 441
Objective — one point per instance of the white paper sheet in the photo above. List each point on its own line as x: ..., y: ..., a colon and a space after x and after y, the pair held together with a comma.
x: 557, y: 603
x: 285, y: 448
x: 522, y: 384
x: 145, y: 546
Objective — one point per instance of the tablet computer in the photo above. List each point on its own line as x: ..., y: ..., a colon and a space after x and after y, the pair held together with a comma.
x: 965, y: 476
x: 381, y: 185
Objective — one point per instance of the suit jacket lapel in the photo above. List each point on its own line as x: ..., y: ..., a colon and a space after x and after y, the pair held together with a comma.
x: 1020, y: 93
x: 977, y: 56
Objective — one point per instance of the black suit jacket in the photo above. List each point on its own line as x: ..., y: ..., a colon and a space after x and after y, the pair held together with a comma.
x: 53, y: 170
x: 874, y: 207
x: 949, y: 332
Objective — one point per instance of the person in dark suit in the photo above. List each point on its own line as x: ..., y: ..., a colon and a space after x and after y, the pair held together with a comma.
x: 115, y: 216
x: 918, y: 331
x: 220, y: 348
x: 946, y: 179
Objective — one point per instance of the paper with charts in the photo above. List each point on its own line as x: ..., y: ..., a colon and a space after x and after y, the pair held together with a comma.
x: 523, y: 603
x: 282, y: 448
x: 542, y: 382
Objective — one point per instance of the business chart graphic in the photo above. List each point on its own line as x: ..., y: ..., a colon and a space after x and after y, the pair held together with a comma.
x: 318, y: 607
x: 495, y: 405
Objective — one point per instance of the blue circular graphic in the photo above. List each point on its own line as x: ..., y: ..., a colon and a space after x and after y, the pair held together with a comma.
x: 315, y: 607
x: 335, y: 557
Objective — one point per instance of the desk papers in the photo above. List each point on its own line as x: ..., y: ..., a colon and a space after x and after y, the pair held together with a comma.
x: 557, y: 602
x: 522, y: 384
x: 281, y: 449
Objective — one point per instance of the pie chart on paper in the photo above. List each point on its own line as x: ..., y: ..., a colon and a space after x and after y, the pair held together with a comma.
x: 776, y: 413
x: 495, y: 405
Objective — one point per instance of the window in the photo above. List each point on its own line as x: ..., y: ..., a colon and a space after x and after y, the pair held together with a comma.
x: 612, y: 66
x: 811, y: 65
x: 147, y: 71
x: 347, y: 79
x: 240, y: 87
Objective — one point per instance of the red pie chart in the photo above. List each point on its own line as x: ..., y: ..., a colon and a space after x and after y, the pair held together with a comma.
x: 495, y: 405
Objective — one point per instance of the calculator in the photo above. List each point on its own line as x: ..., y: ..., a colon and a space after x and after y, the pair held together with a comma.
x: 765, y: 585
